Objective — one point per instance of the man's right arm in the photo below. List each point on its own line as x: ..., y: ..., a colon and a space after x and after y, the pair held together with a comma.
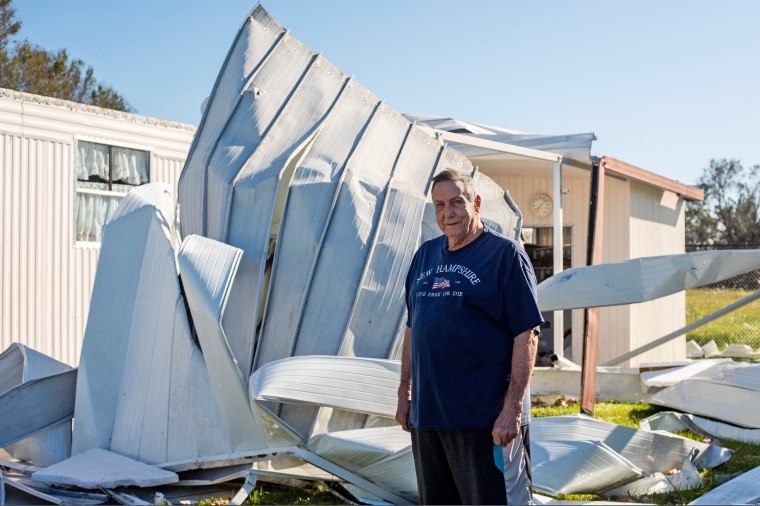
x: 404, y: 388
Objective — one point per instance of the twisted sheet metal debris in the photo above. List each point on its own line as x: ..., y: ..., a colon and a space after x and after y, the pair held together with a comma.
x: 642, y: 279
x: 740, y: 490
x: 97, y: 468
x: 729, y: 392
x: 674, y: 422
x: 40, y: 392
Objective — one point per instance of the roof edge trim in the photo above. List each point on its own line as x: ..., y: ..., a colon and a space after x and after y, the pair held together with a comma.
x: 629, y: 171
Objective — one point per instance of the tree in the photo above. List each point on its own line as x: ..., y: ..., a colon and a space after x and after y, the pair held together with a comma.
x: 27, y: 67
x: 730, y: 213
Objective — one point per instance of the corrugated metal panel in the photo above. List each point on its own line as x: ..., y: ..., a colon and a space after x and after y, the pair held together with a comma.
x: 256, y: 38
x: 39, y: 267
x: 166, y: 170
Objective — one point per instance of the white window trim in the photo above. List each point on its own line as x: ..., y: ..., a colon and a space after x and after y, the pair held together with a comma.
x: 91, y: 191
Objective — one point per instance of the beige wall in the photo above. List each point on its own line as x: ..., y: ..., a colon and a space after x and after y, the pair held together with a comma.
x: 639, y: 220
x: 614, y: 321
x: 657, y: 227
x: 45, y: 277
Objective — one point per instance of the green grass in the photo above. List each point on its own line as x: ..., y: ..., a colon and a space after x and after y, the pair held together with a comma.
x: 741, y: 326
x: 266, y: 493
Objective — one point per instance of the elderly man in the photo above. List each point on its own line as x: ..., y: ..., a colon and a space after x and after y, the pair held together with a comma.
x: 468, y: 355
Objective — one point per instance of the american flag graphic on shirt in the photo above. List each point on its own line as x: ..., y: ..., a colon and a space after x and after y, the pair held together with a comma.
x: 439, y: 283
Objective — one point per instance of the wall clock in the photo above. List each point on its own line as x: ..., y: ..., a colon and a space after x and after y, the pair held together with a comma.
x: 541, y: 205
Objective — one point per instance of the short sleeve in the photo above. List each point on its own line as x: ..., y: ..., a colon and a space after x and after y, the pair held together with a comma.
x: 522, y: 305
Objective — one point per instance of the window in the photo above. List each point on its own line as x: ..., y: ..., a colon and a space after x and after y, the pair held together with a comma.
x: 539, y: 245
x: 104, y: 175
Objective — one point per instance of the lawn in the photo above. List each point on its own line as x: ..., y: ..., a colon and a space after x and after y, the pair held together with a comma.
x: 745, y: 457
x: 741, y: 326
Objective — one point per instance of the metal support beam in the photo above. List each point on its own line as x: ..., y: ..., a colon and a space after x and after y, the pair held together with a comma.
x: 693, y: 325
x: 591, y: 315
x: 558, y: 241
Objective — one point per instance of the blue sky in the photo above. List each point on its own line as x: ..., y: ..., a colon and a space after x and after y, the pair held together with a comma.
x: 665, y: 85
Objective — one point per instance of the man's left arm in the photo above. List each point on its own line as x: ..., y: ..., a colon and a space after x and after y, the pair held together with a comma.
x: 507, y: 425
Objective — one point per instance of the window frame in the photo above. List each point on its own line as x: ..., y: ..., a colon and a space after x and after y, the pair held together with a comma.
x: 76, y: 189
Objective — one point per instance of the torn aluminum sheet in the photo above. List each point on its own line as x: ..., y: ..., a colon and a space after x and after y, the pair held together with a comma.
x: 97, y: 468
x: 245, y: 490
x: 352, y: 384
x: 144, y: 388
x: 286, y: 466
x: 710, y: 349
x: 671, y: 376
x: 642, y: 279
x: 743, y: 489
x: 15, y: 465
x: 737, y: 350
x: 674, y: 422
x: 355, y: 449
x: 207, y: 268
x: 247, y: 186
x: 203, y: 477
x: 120, y: 497
x: 694, y: 350
x: 570, y: 467
x: 382, y: 455
x: 650, y: 451
x: 729, y: 392
x: 24, y: 491
x: 37, y: 405
x: 685, y: 478
x: 576, y: 147
x: 305, y: 154
x: 256, y: 38
x: 20, y: 364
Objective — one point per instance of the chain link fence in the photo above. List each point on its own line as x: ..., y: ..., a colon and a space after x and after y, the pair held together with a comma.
x: 741, y: 326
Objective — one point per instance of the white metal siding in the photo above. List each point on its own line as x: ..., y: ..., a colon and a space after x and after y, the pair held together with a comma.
x: 614, y: 321
x: 42, y: 276
x: 657, y: 228
x: 45, y: 278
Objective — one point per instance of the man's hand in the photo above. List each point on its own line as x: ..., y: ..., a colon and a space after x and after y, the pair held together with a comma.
x: 402, y: 411
x: 505, y: 428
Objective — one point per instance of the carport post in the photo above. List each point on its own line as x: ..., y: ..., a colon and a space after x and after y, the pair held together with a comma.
x: 558, y: 251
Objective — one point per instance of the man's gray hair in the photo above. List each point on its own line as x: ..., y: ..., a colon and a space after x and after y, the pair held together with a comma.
x: 457, y: 176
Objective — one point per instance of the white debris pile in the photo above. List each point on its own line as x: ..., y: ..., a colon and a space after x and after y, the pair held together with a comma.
x: 580, y: 454
x: 710, y: 349
x: 727, y: 391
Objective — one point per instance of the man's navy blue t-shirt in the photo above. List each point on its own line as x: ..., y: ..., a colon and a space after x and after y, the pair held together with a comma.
x: 465, y: 308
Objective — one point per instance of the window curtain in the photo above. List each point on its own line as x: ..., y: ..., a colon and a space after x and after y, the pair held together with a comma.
x: 130, y: 166
x: 92, y: 212
x: 92, y: 160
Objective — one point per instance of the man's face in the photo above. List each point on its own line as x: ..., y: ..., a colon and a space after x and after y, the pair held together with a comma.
x: 456, y: 216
